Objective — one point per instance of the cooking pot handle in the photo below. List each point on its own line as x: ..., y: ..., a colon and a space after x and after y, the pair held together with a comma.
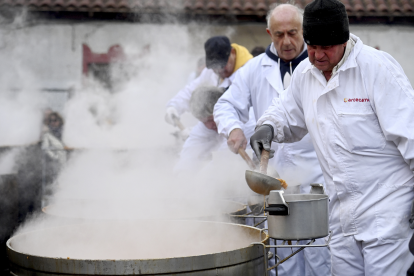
x: 277, y: 210
x: 317, y: 188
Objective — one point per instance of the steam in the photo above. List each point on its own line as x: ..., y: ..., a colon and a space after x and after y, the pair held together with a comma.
x: 8, y: 161
x: 122, y: 153
x: 86, y: 241
x: 20, y: 118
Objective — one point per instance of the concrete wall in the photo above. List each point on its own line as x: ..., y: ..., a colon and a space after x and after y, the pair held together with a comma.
x: 49, y: 55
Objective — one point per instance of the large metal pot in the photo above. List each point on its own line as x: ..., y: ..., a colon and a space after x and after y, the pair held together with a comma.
x: 9, y: 208
x: 298, y: 216
x: 24, y: 162
x: 90, y: 249
x: 9, y: 213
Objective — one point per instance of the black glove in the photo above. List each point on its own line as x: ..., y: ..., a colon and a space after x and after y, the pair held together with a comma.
x: 262, y: 139
x: 411, y: 220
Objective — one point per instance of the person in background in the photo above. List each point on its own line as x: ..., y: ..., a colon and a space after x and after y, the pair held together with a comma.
x: 410, y: 271
x: 54, y: 153
x: 204, y: 139
x: 201, y: 64
x: 256, y: 84
x: 357, y: 104
x: 223, y: 59
x: 257, y: 51
x: 54, y: 122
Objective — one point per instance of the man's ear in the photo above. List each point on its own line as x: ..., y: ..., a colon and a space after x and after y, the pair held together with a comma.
x: 268, y: 31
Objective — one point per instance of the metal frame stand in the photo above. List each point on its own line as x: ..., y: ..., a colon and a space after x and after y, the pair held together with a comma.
x: 285, y: 244
x: 259, y: 214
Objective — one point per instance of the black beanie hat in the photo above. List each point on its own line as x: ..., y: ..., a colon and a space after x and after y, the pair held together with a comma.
x: 325, y: 23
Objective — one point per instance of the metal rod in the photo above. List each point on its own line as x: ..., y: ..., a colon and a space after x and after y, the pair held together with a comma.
x: 241, y: 216
x: 310, y: 244
x: 247, y: 216
x: 296, y: 246
x: 257, y: 224
x: 285, y: 259
x: 264, y: 256
x: 302, y: 247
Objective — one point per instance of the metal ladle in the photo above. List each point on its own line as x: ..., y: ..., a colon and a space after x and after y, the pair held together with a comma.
x: 178, y: 123
x: 246, y: 158
x: 260, y: 182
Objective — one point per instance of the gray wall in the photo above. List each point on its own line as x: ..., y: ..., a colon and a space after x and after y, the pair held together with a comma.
x: 49, y: 55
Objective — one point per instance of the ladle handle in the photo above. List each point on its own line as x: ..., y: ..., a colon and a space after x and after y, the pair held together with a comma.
x: 246, y: 158
x: 264, y: 160
x: 178, y: 123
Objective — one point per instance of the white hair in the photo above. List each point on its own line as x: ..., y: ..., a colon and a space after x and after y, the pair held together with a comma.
x: 288, y: 3
x: 203, y: 99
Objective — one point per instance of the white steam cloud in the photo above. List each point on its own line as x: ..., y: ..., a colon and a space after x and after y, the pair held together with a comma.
x: 120, y: 166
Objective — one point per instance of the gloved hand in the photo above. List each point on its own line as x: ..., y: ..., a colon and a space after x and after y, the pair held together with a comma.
x: 170, y: 114
x: 411, y: 220
x: 262, y: 139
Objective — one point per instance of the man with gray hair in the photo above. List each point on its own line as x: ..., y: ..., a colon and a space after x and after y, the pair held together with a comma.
x: 203, y: 138
x: 255, y: 85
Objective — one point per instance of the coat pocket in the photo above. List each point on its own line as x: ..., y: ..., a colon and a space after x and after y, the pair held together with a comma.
x: 392, y: 212
x: 361, y: 132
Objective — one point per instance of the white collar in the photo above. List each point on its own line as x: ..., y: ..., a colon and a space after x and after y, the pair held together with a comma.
x: 349, y: 46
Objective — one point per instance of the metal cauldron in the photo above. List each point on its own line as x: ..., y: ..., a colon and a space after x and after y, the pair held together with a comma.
x: 84, y: 249
x: 298, y: 216
x: 9, y: 213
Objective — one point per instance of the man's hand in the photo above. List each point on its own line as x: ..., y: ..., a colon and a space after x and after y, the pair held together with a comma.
x: 185, y: 133
x: 236, y: 140
x: 262, y: 139
x: 171, y: 114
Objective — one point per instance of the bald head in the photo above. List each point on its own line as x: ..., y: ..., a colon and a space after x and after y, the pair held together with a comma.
x: 285, y: 29
x: 278, y: 10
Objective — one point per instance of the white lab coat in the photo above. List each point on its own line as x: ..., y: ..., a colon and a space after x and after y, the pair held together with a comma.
x: 361, y: 124
x: 181, y: 101
x: 202, y: 142
x: 255, y: 85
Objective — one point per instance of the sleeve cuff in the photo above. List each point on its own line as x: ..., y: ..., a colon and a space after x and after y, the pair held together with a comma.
x: 233, y: 128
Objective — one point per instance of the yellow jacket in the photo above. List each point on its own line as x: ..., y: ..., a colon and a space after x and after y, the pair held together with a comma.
x: 242, y: 56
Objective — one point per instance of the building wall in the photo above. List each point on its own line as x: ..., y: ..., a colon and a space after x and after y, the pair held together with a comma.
x: 49, y: 55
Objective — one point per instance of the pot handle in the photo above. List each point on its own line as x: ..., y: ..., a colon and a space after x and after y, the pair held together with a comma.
x: 317, y: 188
x: 277, y: 204
x: 277, y: 209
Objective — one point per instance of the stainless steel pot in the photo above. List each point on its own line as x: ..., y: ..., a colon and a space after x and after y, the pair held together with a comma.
x: 73, y: 250
x: 298, y: 216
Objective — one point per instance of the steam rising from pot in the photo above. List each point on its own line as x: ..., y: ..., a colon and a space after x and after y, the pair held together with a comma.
x: 122, y: 152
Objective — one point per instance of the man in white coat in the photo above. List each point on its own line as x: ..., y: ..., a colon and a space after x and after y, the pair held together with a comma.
x: 255, y: 85
x: 204, y: 139
x: 358, y: 107
x: 224, y: 60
